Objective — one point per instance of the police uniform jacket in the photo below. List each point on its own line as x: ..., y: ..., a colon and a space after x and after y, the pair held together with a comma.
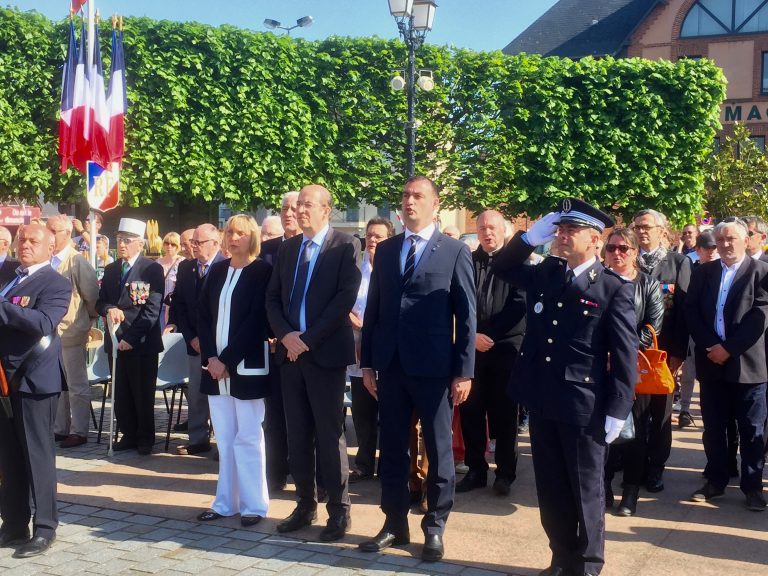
x: 30, y: 311
x: 562, y: 372
x: 746, y: 307
x: 246, y: 328
x: 139, y: 295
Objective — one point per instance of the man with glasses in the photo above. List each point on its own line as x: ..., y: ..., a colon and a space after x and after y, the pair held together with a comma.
x: 8, y: 265
x: 186, y: 243
x: 74, y: 409
x: 757, y: 230
x: 673, y: 271
x: 311, y: 293
x: 205, y: 246
x: 131, y: 295
x: 688, y: 241
x: 578, y: 313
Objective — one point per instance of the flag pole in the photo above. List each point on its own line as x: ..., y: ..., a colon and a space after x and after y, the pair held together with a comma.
x: 91, y: 40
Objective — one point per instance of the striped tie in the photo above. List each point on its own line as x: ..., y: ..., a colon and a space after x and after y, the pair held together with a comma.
x: 410, y: 260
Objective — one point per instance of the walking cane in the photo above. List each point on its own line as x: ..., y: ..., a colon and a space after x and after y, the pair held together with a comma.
x: 113, y: 337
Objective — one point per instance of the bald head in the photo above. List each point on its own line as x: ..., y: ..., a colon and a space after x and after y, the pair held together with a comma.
x: 271, y: 228
x: 313, y: 209
x: 186, y: 243
x: 35, y: 245
x: 491, y: 230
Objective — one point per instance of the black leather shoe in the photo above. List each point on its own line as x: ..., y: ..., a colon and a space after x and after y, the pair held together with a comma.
x: 755, y: 501
x: 502, y: 486
x: 356, y: 476
x: 628, y: 504
x: 707, y: 492
x: 655, y: 481
x: 10, y: 537
x: 181, y: 426
x: 124, y: 444
x: 209, y: 515
x: 34, y: 547
x: 276, y: 485
x: 554, y: 571
x: 433, y: 548
x: 144, y: 450
x: 335, y: 528
x: 299, y: 518
x: 384, y: 539
x: 248, y: 521
x: 472, y: 480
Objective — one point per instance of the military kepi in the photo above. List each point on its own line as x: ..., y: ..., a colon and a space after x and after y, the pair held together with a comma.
x: 132, y: 226
x: 578, y: 213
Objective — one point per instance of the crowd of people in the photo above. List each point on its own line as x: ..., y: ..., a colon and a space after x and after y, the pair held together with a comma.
x: 439, y: 339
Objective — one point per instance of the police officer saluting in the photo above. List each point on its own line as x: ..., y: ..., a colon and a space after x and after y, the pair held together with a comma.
x: 578, y: 313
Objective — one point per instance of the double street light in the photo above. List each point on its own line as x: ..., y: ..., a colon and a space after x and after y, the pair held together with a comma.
x: 303, y: 22
x: 414, y: 19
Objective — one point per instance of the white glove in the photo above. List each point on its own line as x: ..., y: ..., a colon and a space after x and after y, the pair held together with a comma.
x: 613, y: 428
x: 543, y: 231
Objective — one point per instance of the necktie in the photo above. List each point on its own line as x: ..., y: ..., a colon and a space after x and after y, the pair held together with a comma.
x: 300, y: 286
x: 202, y: 270
x: 124, y: 268
x: 410, y: 260
x: 569, y: 277
x: 13, y: 283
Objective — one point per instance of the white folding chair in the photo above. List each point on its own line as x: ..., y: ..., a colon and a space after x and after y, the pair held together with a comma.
x: 173, y: 375
x: 98, y: 373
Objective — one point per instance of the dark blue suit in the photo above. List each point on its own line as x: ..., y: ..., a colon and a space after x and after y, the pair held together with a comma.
x: 562, y: 375
x: 30, y: 311
x: 419, y: 337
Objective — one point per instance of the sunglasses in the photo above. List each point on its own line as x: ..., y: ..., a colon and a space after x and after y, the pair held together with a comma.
x: 623, y: 248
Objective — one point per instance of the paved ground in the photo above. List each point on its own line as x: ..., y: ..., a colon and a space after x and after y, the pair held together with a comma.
x: 136, y: 515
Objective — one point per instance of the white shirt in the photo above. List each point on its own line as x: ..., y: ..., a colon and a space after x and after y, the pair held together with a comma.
x: 31, y: 270
x: 726, y: 279
x: 756, y: 255
x: 424, y: 236
x: 581, y: 268
x: 57, y: 259
x: 316, y: 242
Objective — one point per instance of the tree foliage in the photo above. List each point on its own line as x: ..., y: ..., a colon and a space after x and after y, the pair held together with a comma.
x: 228, y: 115
x: 737, y: 177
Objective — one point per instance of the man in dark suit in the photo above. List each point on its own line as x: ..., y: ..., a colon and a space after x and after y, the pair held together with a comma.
x: 205, y: 244
x: 726, y: 311
x: 578, y: 313
x: 757, y: 232
x: 275, y: 433
x: 312, y: 290
x: 673, y: 271
x: 500, y: 330
x: 419, y: 334
x: 31, y: 306
x: 131, y: 294
x: 8, y: 265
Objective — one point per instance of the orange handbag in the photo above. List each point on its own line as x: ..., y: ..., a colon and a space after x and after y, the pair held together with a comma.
x: 655, y: 376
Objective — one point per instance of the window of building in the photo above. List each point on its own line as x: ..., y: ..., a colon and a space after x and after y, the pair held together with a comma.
x: 759, y: 142
x: 713, y: 17
x: 764, y: 83
x: 352, y: 214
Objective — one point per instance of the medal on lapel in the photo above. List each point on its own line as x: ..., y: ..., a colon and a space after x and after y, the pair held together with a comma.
x: 139, y: 293
x: 24, y: 301
x: 592, y: 275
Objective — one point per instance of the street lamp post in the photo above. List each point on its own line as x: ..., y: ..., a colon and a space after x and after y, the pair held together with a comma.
x: 303, y: 22
x: 414, y: 19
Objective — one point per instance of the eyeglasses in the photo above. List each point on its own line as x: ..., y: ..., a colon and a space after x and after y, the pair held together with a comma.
x: 644, y: 227
x: 166, y: 243
x: 197, y: 243
x: 309, y: 205
x: 623, y: 248
x: 124, y: 240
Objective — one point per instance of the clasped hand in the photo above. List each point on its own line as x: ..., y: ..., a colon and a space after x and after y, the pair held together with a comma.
x: 295, y: 345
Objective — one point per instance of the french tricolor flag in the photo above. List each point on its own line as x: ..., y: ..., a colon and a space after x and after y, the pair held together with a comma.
x: 67, y: 100
x: 77, y: 4
x: 117, y: 101
x: 96, y: 129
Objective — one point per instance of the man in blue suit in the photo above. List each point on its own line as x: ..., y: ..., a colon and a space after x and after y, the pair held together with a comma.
x: 419, y: 334
x: 31, y: 306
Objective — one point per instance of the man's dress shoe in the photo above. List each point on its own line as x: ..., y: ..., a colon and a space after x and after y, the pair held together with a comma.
x: 433, y: 548
x: 335, y: 528
x: 299, y: 518
x: 472, y: 480
x: 13, y: 537
x: 384, y: 539
x: 34, y: 547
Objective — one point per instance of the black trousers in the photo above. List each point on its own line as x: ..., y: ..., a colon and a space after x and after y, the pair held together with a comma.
x: 634, y: 454
x: 718, y: 401
x: 365, y: 416
x: 568, y: 463
x: 659, y: 432
x: 313, y: 398
x: 488, y: 397
x: 399, y: 395
x: 275, y: 431
x: 135, y: 384
x: 28, y: 464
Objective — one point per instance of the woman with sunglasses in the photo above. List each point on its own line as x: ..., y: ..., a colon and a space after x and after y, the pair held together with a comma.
x: 170, y: 262
x: 621, y: 256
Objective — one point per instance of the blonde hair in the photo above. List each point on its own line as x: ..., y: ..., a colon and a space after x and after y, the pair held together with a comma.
x: 248, y: 224
x: 173, y: 238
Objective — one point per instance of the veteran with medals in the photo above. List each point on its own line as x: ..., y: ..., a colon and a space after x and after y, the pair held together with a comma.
x: 131, y: 295
x: 578, y: 313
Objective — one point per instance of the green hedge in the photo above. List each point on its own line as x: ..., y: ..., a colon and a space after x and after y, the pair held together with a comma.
x: 223, y: 114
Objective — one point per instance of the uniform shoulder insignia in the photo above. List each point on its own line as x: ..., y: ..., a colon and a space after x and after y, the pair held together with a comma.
x: 592, y: 275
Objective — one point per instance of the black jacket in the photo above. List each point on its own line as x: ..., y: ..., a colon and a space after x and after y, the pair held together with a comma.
x: 8, y: 271
x: 745, y: 321
x: 247, y: 325
x: 649, y: 308
x: 674, y: 275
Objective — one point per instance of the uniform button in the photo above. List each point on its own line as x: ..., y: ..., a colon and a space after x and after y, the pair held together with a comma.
x: 548, y: 359
x: 585, y: 312
x: 549, y: 340
x: 586, y: 379
x: 554, y: 322
x: 559, y: 304
x: 521, y: 353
